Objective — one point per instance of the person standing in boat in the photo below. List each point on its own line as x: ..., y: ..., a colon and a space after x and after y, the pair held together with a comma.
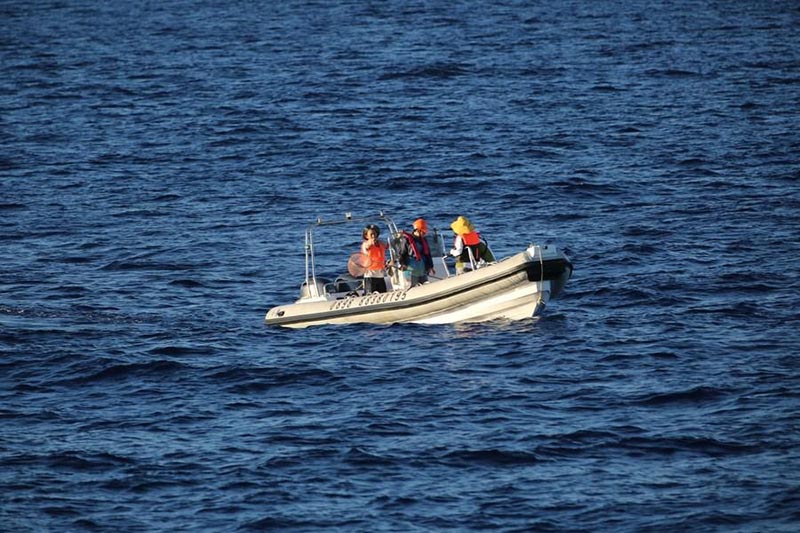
x: 373, y: 251
x: 468, y: 246
x: 415, y: 253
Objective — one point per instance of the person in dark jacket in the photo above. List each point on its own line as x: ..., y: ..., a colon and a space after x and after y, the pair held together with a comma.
x: 415, y: 254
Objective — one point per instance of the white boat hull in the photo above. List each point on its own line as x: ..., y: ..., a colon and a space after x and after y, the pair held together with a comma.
x: 517, y: 304
x: 515, y: 288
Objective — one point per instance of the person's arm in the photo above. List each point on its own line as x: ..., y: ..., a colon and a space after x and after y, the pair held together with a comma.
x: 458, y: 247
x: 365, y: 246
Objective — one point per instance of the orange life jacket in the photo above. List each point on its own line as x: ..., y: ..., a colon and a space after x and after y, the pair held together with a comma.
x: 471, y: 241
x: 472, y: 238
x: 376, y: 256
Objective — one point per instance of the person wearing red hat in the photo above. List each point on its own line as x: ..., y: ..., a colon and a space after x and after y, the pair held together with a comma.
x: 415, y: 254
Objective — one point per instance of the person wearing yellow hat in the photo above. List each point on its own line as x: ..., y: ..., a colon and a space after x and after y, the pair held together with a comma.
x: 468, y: 246
x: 415, y: 254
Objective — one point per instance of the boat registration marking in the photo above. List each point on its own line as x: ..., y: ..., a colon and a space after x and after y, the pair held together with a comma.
x: 375, y: 298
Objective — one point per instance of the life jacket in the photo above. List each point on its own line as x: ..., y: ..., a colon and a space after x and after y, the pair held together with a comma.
x: 376, y: 256
x: 471, y: 241
x: 418, y: 254
x: 472, y: 238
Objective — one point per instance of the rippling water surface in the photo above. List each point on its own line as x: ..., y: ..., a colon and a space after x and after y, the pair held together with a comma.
x: 160, y: 162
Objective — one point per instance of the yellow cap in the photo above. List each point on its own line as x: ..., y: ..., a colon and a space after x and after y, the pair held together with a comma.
x: 462, y: 225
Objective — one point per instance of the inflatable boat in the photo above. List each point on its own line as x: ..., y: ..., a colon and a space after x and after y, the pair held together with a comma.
x: 513, y: 288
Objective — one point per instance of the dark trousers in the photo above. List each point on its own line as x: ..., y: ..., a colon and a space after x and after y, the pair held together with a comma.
x: 374, y: 285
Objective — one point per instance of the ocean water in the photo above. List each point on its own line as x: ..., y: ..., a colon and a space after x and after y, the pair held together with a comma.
x: 159, y: 162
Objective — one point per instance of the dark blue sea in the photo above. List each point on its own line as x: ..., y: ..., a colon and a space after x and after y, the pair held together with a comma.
x: 160, y: 161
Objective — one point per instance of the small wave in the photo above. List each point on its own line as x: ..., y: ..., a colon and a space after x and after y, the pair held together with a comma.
x: 167, y: 198
x: 361, y: 457
x: 740, y: 309
x: 81, y: 313
x: 123, y: 265
x: 121, y: 372
x: 175, y: 351
x: 625, y: 295
x: 666, y: 355
x: 701, y: 394
x: 646, y: 231
x: 790, y: 80
x: 491, y: 457
x: 672, y: 73
x: 702, y: 445
x: 283, y: 523
x: 435, y: 71
x: 591, y: 436
x: 390, y: 429
x: 61, y: 511
x: 187, y: 283
x: 394, y: 502
x: 577, y: 184
x: 255, y: 380
x: 78, y: 461
x: 640, y: 249
x: 569, y: 217
x: 535, y: 153
x: 606, y: 89
x: 83, y: 462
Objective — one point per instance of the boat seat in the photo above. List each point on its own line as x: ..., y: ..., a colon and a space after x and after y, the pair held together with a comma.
x: 346, y: 283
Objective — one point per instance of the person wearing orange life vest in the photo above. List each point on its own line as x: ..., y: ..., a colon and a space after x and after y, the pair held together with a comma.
x: 373, y: 251
x: 415, y: 253
x: 468, y: 240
